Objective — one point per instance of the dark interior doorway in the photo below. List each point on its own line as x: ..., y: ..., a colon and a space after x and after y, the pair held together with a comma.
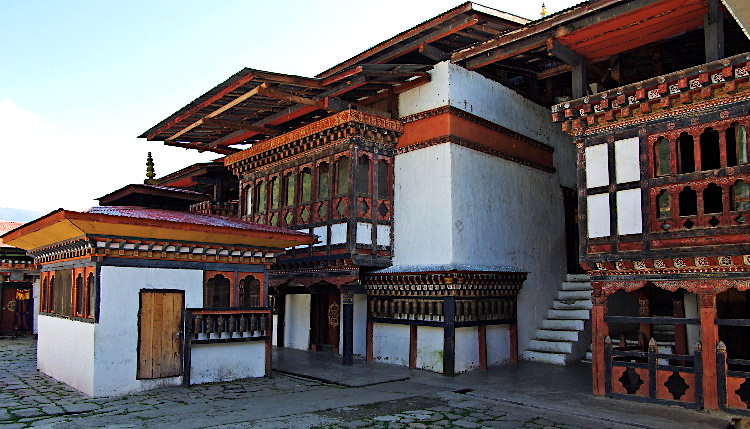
x: 325, y: 320
x: 570, y: 205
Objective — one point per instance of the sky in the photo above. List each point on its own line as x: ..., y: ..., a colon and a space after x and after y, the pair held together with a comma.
x: 81, y: 79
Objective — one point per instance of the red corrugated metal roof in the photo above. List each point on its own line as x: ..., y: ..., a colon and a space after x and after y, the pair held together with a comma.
x: 184, y: 217
x: 6, y: 226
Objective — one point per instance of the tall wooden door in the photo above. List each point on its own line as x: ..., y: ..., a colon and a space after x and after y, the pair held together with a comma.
x: 159, y: 330
x: 325, y: 322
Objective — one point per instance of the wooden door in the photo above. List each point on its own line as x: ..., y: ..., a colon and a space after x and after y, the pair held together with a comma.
x: 7, y: 309
x: 159, y: 331
x: 325, y: 322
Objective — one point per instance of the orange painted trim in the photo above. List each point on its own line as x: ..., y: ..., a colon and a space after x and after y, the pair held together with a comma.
x: 450, y: 124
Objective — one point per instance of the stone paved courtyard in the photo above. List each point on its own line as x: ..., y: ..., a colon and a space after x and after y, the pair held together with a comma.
x: 31, y: 399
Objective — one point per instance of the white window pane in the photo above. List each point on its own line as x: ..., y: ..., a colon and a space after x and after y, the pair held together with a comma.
x: 627, y: 166
x: 597, y: 170
x: 597, y: 214
x: 629, y: 219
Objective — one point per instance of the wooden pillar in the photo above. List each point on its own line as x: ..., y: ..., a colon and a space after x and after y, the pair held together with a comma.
x: 680, y: 331
x: 709, y: 339
x: 482, y: 337
x: 347, y: 301
x: 269, y: 342
x: 644, y: 310
x: 513, y: 331
x: 369, y: 341
x: 280, y: 319
x: 449, y: 336
x: 713, y: 32
x: 599, y: 332
x: 413, y: 346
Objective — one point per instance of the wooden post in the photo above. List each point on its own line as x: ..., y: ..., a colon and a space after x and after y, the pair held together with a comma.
x: 680, y: 331
x: 599, y: 333
x: 369, y: 341
x: 449, y: 336
x: 652, y: 351
x: 644, y: 310
x: 709, y: 339
x: 721, y: 365
x: 187, y: 339
x: 513, y: 331
x: 713, y: 32
x: 413, y: 346
x: 347, y: 301
x: 482, y: 337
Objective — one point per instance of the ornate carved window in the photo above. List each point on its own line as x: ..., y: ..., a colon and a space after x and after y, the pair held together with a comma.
x: 323, y: 184
x: 80, y: 296
x: 662, y: 157
x: 250, y: 292
x: 216, y: 292
x: 306, y: 185
x: 51, y: 294
x: 664, y: 204
x: 343, y: 167
x: 740, y: 196
x: 261, y: 197
x: 686, y: 153
x: 249, y: 200
x: 275, y: 192
x: 383, y: 179
x: 710, y: 151
x: 736, y: 138
x: 90, y: 292
x: 289, y: 183
x: 712, y: 199
x: 688, y: 202
x: 363, y: 175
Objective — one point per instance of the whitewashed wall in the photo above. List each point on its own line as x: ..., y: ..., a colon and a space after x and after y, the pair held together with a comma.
x: 390, y: 343
x: 359, y: 325
x: 467, y: 349
x: 498, y: 344
x: 297, y: 321
x: 430, y: 351
x: 117, y: 331
x: 457, y: 205
x: 219, y: 362
x: 65, y: 351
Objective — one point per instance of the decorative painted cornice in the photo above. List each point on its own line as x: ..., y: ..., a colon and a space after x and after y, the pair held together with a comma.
x: 675, y: 94
x: 346, y: 124
x: 687, y: 265
x: 444, y: 284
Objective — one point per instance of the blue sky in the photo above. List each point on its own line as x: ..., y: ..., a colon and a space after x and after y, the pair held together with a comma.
x: 80, y: 80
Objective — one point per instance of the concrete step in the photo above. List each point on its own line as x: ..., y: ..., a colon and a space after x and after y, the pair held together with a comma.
x: 568, y: 314
x: 577, y: 277
x: 576, y: 286
x: 553, y: 358
x: 549, y: 334
x: 577, y: 295
x: 569, y: 304
x: 563, y: 325
x: 550, y: 346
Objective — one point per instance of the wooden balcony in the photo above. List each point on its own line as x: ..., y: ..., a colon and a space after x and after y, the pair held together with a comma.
x: 228, y: 209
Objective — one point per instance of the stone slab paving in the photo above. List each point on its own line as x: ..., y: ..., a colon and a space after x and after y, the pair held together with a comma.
x: 31, y: 399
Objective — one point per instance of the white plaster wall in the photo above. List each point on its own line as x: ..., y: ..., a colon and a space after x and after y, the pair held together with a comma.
x: 219, y: 362
x: 297, y: 321
x: 359, y: 325
x: 65, y: 351
x: 692, y: 312
x: 116, y: 355
x: 430, y: 351
x: 364, y: 233
x: 384, y: 235
x: 322, y: 233
x: 508, y: 214
x: 467, y: 349
x: 338, y: 233
x: 421, y: 210
x: 498, y: 344
x: 275, y: 329
x: 490, y: 100
x: 390, y: 343
x: 35, y: 290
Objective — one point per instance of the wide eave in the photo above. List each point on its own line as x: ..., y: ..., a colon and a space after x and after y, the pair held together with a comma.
x: 132, y: 222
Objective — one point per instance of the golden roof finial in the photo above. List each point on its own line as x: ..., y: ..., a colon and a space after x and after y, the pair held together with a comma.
x: 150, y: 172
x: 544, y: 10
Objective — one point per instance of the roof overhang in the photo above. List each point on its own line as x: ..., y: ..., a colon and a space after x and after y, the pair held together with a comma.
x: 63, y: 225
x: 155, y: 191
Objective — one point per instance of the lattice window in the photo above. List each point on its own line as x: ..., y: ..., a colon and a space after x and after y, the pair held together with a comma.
x: 383, y: 179
x: 710, y: 151
x: 662, y: 157
x: 323, y: 184
x: 686, y: 153
x: 363, y: 175
x: 306, y: 194
x: 740, y: 196
x: 216, y: 292
x: 663, y: 202
x: 343, y: 167
x: 688, y: 202
x: 289, y: 182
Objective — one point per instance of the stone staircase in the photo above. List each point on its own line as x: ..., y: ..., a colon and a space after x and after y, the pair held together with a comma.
x: 565, y: 334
